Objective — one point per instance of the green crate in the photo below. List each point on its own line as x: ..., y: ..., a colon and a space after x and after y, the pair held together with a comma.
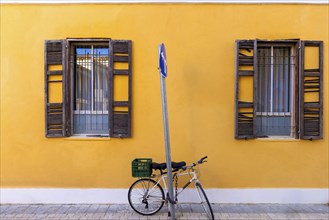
x: 141, y: 167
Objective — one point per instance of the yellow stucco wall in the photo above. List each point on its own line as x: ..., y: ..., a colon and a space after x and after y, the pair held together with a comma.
x: 200, y: 43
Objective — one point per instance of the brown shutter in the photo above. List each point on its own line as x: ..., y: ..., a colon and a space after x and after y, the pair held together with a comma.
x: 311, y: 92
x: 56, y: 99
x: 120, y: 67
x: 245, y: 110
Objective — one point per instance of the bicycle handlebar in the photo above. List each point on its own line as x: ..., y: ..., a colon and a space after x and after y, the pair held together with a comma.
x: 202, y: 160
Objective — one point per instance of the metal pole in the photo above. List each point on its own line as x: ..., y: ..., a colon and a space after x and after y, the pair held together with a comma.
x: 167, y: 145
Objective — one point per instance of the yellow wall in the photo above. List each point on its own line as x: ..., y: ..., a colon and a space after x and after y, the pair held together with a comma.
x: 200, y: 44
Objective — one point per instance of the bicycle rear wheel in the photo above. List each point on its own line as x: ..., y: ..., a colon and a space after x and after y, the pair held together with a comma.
x: 204, y: 201
x: 146, y: 197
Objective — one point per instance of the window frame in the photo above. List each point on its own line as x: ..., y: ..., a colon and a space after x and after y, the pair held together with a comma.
x: 293, y: 69
x: 72, y: 44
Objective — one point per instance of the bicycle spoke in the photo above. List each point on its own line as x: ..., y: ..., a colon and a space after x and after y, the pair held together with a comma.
x: 140, y: 192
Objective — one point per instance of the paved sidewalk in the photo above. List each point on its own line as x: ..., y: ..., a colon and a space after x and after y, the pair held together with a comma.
x: 184, y: 211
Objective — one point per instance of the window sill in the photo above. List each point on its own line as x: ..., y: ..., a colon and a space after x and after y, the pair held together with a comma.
x: 279, y: 139
x: 88, y: 138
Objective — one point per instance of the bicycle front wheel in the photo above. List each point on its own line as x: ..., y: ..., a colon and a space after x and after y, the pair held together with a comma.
x: 146, y: 197
x: 204, y: 201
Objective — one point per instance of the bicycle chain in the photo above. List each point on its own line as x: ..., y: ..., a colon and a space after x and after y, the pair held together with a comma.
x: 176, y: 188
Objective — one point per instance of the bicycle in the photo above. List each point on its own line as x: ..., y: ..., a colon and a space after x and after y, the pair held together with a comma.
x: 146, y: 195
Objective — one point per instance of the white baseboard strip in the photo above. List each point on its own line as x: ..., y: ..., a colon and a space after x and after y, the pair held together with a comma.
x: 165, y: 1
x: 119, y: 196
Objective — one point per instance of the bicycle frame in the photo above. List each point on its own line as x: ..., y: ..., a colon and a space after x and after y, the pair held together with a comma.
x: 162, y: 178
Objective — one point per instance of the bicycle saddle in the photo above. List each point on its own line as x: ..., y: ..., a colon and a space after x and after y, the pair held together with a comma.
x: 163, y: 166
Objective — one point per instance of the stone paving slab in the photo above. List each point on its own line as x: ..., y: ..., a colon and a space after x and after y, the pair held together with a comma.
x: 183, y: 212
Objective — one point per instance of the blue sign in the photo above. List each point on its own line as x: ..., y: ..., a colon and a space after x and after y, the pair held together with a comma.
x: 163, y: 60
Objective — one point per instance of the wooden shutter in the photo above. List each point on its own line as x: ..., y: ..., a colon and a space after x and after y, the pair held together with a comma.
x: 245, y: 110
x: 56, y: 99
x: 120, y: 67
x: 311, y: 91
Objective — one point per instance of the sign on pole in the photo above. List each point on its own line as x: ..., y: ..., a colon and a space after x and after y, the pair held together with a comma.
x: 163, y: 60
x: 163, y: 75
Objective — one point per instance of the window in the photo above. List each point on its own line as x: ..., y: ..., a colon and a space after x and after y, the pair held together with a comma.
x: 89, y: 65
x: 279, y: 89
x: 81, y: 77
x: 274, y: 91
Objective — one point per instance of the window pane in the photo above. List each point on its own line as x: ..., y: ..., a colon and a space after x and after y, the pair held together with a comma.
x: 82, y: 76
x: 274, y: 92
x: 90, y: 71
x: 264, y: 79
x: 101, y: 64
x: 281, y: 81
